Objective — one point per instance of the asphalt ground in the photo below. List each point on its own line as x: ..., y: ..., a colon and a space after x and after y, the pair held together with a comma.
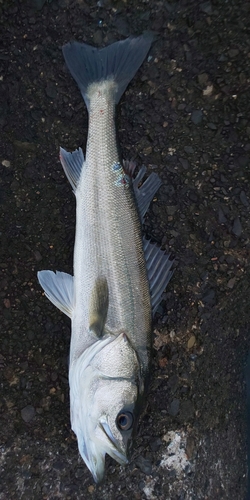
x: 186, y: 116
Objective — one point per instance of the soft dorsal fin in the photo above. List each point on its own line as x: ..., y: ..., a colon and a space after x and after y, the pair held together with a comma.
x: 58, y: 288
x: 72, y: 164
x: 99, y: 302
x: 157, y: 262
x: 145, y: 193
x: 158, y: 270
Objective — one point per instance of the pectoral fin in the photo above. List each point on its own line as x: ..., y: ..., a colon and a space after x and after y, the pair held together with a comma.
x: 58, y: 289
x: 99, y: 303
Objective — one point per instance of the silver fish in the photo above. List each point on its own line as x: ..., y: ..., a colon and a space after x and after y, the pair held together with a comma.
x: 119, y: 277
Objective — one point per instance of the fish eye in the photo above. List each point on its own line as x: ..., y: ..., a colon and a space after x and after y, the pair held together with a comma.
x: 125, y: 421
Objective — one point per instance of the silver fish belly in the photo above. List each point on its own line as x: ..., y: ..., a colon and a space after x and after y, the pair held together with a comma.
x: 119, y: 277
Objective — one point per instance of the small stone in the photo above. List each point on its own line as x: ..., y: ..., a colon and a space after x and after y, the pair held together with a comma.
x: 233, y: 52
x: 189, y: 149
x: 187, y: 410
x: 24, y: 145
x: 144, y: 465
x: 174, y: 407
x: 14, y: 185
x: 221, y: 217
x: 209, y: 296
x: 58, y: 463
x: 191, y: 342
x: 231, y: 282
x: 2, y: 362
x: 9, y: 374
x: 242, y: 78
x: 122, y: 26
x: 79, y: 472
x: 97, y: 37
x: 206, y: 7
x: 197, y: 116
x: 45, y: 403
x: 155, y: 444
x: 182, y: 106
x: 171, y: 209
x: 184, y: 163
x: 37, y: 255
x: 243, y: 161
x: 190, y: 447
x: 28, y: 413
x: 54, y: 376
x: 202, y: 78
x: 193, y: 196
x: 173, y: 383
x: 6, y: 163
x: 37, y: 4
x: 237, y: 227
x: 208, y: 90
x: 6, y: 303
x: 51, y: 91
x: 212, y: 126
x: 244, y: 199
x: 222, y: 58
x: 147, y: 150
x: 163, y: 362
x: 91, y: 489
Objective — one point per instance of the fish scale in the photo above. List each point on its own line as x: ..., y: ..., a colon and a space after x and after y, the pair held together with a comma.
x: 110, y: 219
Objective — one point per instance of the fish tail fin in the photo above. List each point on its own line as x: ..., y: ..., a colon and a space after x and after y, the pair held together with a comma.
x: 118, y: 62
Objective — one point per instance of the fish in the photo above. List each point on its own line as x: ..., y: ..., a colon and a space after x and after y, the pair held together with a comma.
x: 119, y: 275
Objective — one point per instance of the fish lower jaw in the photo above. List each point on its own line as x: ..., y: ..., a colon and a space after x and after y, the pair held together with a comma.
x: 94, y: 459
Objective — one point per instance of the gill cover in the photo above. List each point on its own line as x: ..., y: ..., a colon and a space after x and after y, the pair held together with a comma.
x: 105, y: 382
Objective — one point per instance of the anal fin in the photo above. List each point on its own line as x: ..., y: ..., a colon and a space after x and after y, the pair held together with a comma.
x: 58, y: 288
x: 72, y: 164
x: 159, y: 271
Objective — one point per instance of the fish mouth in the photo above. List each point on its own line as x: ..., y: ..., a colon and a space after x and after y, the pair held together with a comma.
x: 96, y: 465
x: 94, y: 458
x: 114, y: 450
x: 93, y: 451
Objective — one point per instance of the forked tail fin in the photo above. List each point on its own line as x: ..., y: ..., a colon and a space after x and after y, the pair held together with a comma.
x: 119, y: 62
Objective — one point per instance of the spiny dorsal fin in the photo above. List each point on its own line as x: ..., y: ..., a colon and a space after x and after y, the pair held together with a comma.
x: 99, y: 303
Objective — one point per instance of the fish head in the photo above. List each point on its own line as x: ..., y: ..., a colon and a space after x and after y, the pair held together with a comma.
x: 105, y: 396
